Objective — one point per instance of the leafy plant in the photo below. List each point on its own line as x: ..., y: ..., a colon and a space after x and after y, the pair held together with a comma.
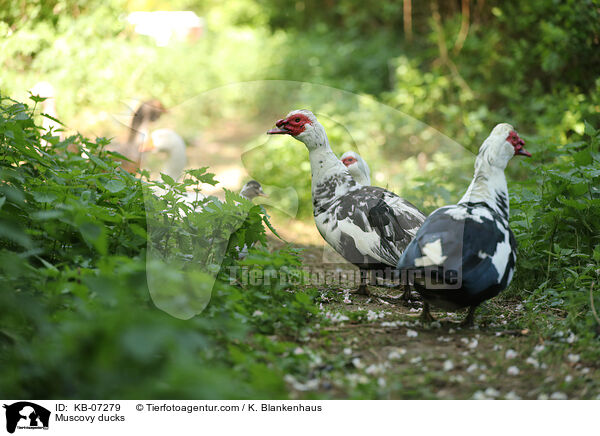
x: 77, y: 319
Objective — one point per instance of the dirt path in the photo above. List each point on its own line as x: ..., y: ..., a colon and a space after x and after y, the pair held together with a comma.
x: 374, y: 349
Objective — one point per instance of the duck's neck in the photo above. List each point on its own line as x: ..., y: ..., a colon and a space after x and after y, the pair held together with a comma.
x: 139, y: 129
x: 489, y: 186
x: 359, y: 174
x: 330, y: 177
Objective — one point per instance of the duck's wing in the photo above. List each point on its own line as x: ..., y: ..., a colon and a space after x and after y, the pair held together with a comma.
x: 473, y: 245
x: 379, y: 223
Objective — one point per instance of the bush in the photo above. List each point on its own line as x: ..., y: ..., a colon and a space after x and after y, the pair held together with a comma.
x: 556, y: 220
x: 76, y: 317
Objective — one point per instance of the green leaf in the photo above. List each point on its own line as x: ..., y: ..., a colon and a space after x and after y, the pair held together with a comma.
x: 589, y: 129
x: 15, y: 234
x: 43, y: 215
x: 115, y: 186
x: 98, y: 161
x: 43, y: 197
x: 167, y: 179
x: 94, y: 235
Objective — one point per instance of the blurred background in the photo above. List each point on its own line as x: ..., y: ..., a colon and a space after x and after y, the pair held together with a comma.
x: 458, y: 67
x: 406, y: 84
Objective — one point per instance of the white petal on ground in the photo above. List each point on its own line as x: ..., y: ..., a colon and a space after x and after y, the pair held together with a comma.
x: 512, y: 370
x: 357, y: 363
x: 310, y: 385
x: 416, y: 359
x: 573, y: 358
x: 491, y: 392
x: 396, y: 354
x: 510, y: 354
x: 448, y: 365
x: 375, y: 369
x: 372, y: 315
x: 472, y: 368
x: 558, y: 396
x: 473, y: 344
x: 479, y: 396
x: 411, y: 333
x: 512, y: 395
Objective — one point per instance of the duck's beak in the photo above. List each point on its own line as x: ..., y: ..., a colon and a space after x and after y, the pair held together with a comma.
x: 280, y: 130
x: 520, y: 149
x: 261, y: 193
x: 522, y: 152
x: 147, y: 145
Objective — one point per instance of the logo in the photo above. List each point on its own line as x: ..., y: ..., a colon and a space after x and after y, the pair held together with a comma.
x: 26, y: 415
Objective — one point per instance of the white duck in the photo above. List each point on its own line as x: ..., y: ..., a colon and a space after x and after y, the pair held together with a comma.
x: 168, y: 141
x: 369, y: 226
x: 357, y: 167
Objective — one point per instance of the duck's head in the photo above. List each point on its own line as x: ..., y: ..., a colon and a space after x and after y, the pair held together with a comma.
x: 302, y: 125
x: 502, y: 144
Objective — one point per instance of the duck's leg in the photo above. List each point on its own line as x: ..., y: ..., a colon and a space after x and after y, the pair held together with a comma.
x: 406, y: 295
x: 426, y: 317
x: 470, y: 318
x: 373, y: 277
x: 362, y: 288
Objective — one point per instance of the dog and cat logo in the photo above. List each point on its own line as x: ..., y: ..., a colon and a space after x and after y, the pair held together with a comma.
x: 26, y: 415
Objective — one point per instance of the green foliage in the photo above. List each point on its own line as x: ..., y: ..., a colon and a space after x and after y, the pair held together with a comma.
x: 76, y: 317
x: 555, y: 217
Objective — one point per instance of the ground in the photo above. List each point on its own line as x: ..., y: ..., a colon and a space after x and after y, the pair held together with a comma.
x: 377, y: 349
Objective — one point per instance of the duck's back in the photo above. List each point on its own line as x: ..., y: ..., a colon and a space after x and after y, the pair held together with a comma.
x: 462, y: 255
x: 368, y: 222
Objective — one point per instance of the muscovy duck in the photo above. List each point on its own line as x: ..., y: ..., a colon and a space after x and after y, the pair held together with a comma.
x: 168, y: 141
x: 147, y: 113
x: 357, y: 167
x: 465, y: 254
x: 369, y: 226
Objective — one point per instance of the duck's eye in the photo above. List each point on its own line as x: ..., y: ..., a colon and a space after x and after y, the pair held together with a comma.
x: 297, y: 120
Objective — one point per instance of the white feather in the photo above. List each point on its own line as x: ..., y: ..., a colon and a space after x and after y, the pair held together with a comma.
x: 432, y: 252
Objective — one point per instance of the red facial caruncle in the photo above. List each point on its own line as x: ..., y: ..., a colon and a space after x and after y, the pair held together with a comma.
x: 292, y: 125
x: 349, y: 160
x: 517, y: 143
